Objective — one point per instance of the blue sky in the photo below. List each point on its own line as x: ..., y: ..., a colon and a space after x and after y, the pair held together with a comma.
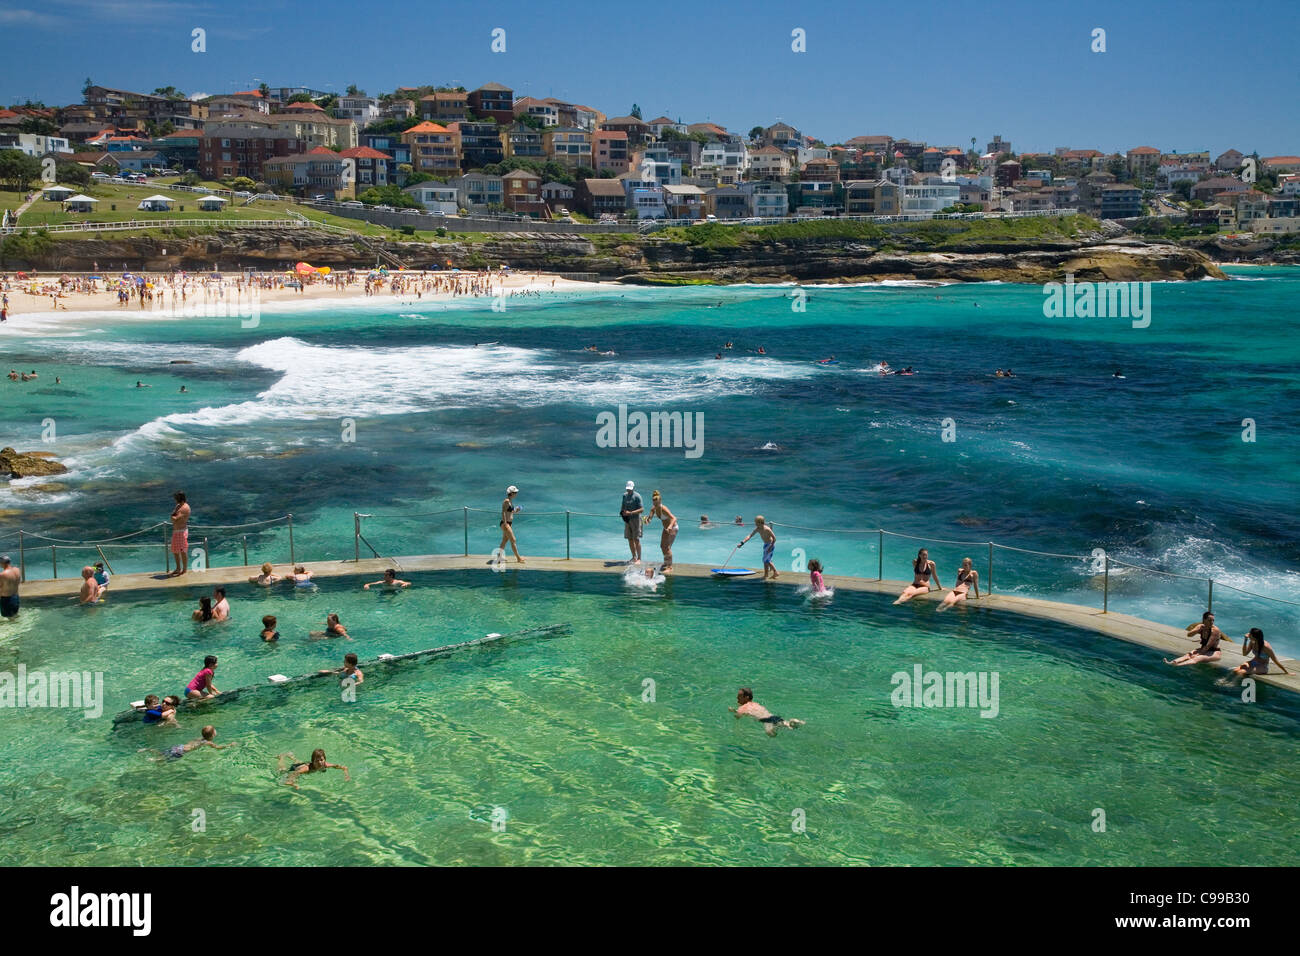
x: 1175, y: 75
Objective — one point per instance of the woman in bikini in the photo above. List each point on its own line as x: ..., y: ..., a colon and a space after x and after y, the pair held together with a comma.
x: 659, y: 510
x: 508, y: 509
x: 967, y: 578
x: 923, y: 570
x: 1261, y: 652
x: 318, y: 764
x: 1209, y: 636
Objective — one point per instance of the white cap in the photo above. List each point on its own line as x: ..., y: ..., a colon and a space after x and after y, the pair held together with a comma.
x: 630, y: 486
x: 512, y: 490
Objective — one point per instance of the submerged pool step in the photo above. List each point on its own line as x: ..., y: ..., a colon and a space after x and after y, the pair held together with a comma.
x: 381, y: 662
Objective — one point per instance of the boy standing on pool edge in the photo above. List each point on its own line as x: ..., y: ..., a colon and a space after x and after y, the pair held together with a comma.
x: 765, y: 532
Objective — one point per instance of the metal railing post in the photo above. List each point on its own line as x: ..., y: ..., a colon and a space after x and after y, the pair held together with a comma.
x: 245, y: 550
x: 467, y: 532
x: 22, y: 557
x: 356, y: 536
x: 1209, y: 604
x: 880, y: 554
x: 291, y: 556
x: 1105, y: 584
x: 207, y: 560
x: 54, y: 558
x: 167, y: 564
x: 566, y: 534
x: 990, y: 584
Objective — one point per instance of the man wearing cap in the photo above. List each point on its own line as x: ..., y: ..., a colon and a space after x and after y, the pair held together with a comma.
x: 9, y: 578
x: 508, y: 509
x: 630, y: 512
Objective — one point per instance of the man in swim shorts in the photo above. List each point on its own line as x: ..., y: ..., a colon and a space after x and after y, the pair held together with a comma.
x: 768, y: 536
x: 10, y: 578
x: 749, y: 708
x: 180, y: 750
x: 180, y: 546
x: 630, y: 511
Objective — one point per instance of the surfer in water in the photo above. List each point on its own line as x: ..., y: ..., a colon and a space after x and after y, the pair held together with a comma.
x: 923, y: 570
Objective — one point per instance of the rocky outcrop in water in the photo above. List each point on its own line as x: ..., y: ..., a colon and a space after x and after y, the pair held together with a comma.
x: 17, y: 464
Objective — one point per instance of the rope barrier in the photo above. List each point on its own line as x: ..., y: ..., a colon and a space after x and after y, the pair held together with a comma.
x: 120, y: 537
x: 1046, y: 554
x: 1254, y: 594
x: 1168, y: 574
x: 234, y: 527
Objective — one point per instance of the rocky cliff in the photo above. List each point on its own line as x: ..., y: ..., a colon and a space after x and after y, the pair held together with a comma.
x: 655, y: 258
x: 17, y: 464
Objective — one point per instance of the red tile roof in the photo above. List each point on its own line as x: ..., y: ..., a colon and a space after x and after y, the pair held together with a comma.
x: 364, y: 152
x: 304, y: 106
x: 427, y: 127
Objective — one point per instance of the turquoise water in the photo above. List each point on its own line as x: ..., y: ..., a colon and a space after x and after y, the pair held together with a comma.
x: 557, y: 735
x: 1063, y: 458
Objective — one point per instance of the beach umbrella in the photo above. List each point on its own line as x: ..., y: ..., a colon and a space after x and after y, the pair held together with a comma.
x: 324, y: 270
x: 303, y: 268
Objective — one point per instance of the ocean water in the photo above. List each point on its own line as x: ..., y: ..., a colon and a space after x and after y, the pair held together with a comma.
x: 1064, y: 458
x: 613, y: 744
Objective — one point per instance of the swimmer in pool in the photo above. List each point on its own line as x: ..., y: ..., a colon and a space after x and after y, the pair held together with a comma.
x: 349, y: 670
x: 317, y: 764
x: 967, y: 578
x: 269, y: 633
x: 389, y: 581
x: 768, y: 536
x: 705, y: 523
x: 180, y: 750
x: 301, y: 577
x: 160, y: 712
x: 333, y: 629
x: 267, y: 577
x: 922, y: 570
x: 91, y: 590
x: 749, y: 708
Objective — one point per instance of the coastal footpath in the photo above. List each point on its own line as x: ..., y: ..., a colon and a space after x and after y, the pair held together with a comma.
x: 824, y: 251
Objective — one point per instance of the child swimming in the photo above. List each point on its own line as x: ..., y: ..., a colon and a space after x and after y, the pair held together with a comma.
x: 749, y: 708
x: 269, y: 633
x: 317, y: 764
x: 180, y: 750
x: 817, y: 589
x: 768, y: 536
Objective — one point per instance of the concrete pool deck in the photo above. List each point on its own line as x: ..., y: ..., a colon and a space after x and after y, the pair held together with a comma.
x: 1169, y: 641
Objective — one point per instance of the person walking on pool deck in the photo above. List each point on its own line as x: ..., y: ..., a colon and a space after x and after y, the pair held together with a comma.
x: 180, y: 546
x: 630, y: 511
x: 1261, y: 651
x: 768, y: 536
x: 749, y: 708
x: 508, y: 509
x: 201, y: 684
x: 10, y: 578
x: 659, y: 510
x: 967, y: 578
x: 1209, y: 636
x: 923, y: 570
x: 317, y: 765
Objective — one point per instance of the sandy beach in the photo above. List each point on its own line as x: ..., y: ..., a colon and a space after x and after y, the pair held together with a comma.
x: 40, y: 298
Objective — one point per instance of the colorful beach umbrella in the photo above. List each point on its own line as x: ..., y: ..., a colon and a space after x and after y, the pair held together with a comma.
x: 303, y: 268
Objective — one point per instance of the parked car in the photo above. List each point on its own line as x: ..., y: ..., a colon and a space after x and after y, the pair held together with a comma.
x: 353, y: 204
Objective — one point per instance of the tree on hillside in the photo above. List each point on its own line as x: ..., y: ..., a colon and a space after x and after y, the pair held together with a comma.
x: 354, y: 91
x: 636, y: 111
x: 170, y: 92
x: 264, y: 89
x: 35, y: 124
x: 72, y: 174
x: 85, y: 87
x: 299, y: 98
x: 17, y: 169
x: 756, y: 133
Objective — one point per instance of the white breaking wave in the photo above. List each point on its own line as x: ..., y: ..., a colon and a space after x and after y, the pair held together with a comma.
x: 321, y: 382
